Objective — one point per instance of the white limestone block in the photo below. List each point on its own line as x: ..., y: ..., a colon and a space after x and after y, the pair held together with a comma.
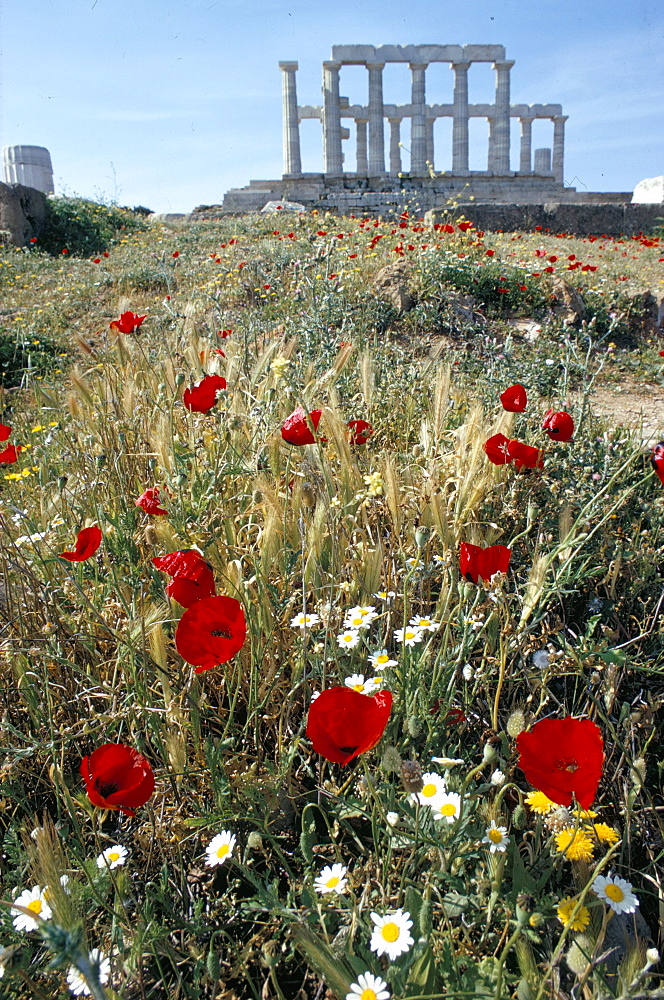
x: 279, y: 207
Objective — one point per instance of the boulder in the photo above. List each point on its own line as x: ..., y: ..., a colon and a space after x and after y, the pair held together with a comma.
x: 568, y: 303
x: 391, y: 284
x: 273, y: 207
x: 649, y: 191
x: 22, y: 213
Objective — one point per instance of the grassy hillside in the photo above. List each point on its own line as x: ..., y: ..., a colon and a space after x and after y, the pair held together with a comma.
x: 481, y: 853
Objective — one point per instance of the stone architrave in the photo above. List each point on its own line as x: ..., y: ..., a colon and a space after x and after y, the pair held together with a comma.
x: 502, y: 120
x: 558, y: 161
x: 460, y: 120
x: 418, y: 127
x: 395, y: 146
x: 362, y: 164
x: 332, y: 154
x: 649, y: 191
x: 525, y: 155
x: 291, y: 125
x: 28, y: 165
x: 376, y: 110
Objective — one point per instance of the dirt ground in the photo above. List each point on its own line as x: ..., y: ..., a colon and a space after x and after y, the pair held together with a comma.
x: 632, y: 404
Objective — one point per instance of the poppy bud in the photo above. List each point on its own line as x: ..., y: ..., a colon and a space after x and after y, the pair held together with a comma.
x: 411, y: 776
x: 179, y: 379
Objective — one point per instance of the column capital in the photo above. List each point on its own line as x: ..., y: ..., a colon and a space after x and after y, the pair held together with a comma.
x: 461, y: 64
x: 527, y: 118
x: 375, y: 65
x: 288, y: 67
x: 559, y: 118
x: 418, y: 65
x: 503, y: 64
x: 331, y: 64
x: 395, y: 120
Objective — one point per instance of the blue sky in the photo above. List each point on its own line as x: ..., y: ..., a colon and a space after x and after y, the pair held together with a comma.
x: 169, y: 104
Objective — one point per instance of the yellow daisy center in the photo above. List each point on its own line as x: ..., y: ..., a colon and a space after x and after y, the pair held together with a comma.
x: 495, y: 836
x: 615, y: 893
x: 390, y: 931
x: 36, y: 906
x: 409, y: 635
x: 358, y: 687
x: 423, y: 622
x: 113, y: 856
x: 381, y: 659
x: 332, y: 882
x: 222, y: 851
x: 368, y: 994
x: 429, y: 790
x: 449, y: 809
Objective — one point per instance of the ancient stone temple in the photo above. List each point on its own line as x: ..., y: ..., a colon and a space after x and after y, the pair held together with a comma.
x: 383, y: 175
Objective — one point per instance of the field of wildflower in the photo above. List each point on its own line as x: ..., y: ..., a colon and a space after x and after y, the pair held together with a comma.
x: 331, y: 630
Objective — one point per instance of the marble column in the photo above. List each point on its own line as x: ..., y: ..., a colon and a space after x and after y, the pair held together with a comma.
x: 418, y: 136
x: 543, y: 160
x: 525, y: 157
x: 332, y: 156
x: 491, y: 149
x: 558, y: 164
x: 395, y: 146
x: 362, y: 164
x: 376, y: 135
x: 430, y: 155
x: 291, y: 126
x: 460, y: 121
x: 502, y: 120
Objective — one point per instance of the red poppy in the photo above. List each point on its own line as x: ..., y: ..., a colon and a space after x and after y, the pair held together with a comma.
x: 563, y: 758
x: 475, y: 561
x: 10, y: 454
x: 296, y: 430
x: 192, y: 576
x: 5, y: 431
x: 657, y: 460
x: 343, y: 723
x: 464, y: 226
x: 117, y: 777
x: 524, y: 456
x: 87, y: 542
x: 496, y: 449
x: 211, y: 632
x: 360, y: 431
x: 150, y: 501
x: 129, y: 322
x: 447, y: 228
x: 514, y: 399
x: 203, y: 395
x: 559, y: 426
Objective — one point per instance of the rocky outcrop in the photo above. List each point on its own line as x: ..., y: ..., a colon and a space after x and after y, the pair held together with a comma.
x: 22, y: 213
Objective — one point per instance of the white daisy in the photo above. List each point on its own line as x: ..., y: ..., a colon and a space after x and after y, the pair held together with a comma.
x: 366, y: 612
x: 381, y: 660
x: 112, y: 857
x: 368, y: 987
x: 331, y: 879
x: 392, y: 818
x: 391, y: 934
x: 358, y: 683
x: 433, y: 787
x: 616, y: 892
x: 409, y: 636
x: 356, y: 621
x: 385, y: 595
x: 77, y: 983
x: 35, y: 900
x: 498, y: 778
x: 348, y: 639
x: 447, y: 807
x: 496, y: 837
x: 447, y: 761
x: 412, y: 563
x: 220, y: 848
x: 425, y: 624
x: 468, y: 672
x: 305, y: 621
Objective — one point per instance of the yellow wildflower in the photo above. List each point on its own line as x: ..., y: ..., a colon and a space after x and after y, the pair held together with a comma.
x: 576, y: 845
x: 605, y: 833
x: 581, y: 918
x: 540, y: 803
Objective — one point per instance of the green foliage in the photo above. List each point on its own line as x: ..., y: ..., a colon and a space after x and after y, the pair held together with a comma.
x: 32, y: 356
x: 83, y: 227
